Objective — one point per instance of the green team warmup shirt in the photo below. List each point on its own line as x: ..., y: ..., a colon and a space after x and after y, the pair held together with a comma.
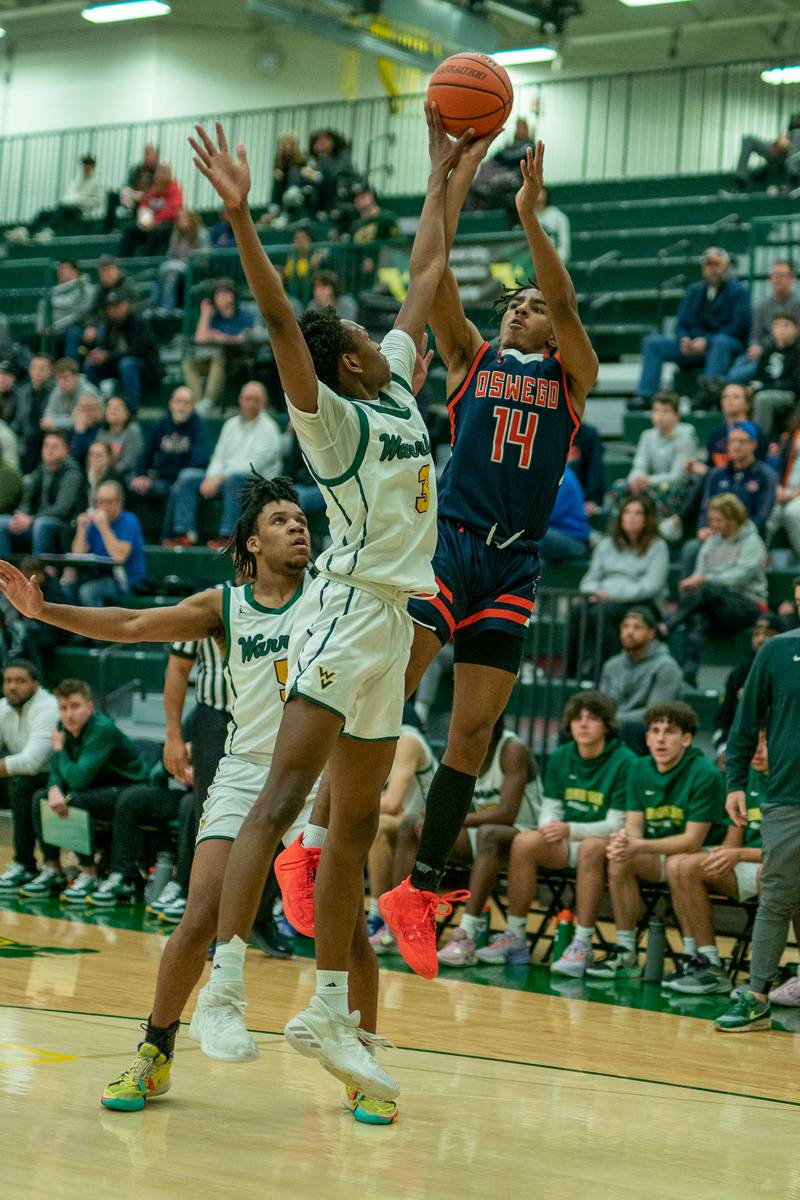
x: 588, y: 787
x: 771, y: 700
x: 691, y: 791
x: 100, y: 756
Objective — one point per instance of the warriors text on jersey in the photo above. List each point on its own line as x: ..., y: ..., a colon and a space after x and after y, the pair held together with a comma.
x: 511, y: 425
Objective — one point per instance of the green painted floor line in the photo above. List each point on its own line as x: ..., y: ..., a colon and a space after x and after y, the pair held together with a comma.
x: 514, y: 1062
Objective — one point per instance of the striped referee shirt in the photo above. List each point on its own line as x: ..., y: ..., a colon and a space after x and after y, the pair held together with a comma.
x: 210, y: 685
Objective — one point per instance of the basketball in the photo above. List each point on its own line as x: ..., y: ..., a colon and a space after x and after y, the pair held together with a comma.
x: 471, y: 90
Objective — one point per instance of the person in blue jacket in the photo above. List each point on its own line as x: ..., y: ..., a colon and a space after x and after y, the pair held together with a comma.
x: 711, y: 328
x: 567, y: 535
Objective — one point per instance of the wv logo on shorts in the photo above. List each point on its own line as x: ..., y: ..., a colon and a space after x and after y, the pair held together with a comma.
x: 326, y: 678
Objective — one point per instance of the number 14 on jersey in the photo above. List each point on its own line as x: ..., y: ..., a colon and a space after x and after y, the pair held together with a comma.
x: 514, y: 427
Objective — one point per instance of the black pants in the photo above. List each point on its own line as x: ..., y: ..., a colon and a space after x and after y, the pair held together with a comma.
x: 137, y: 242
x: 99, y: 802
x: 141, y: 804
x: 710, y: 605
x: 20, y: 790
x: 207, y: 732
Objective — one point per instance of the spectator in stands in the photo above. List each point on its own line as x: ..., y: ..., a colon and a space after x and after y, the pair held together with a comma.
x: 222, y: 235
x: 782, y: 298
x: 29, y: 639
x: 189, y: 236
x: 660, y: 464
x: 28, y: 714
x: 84, y: 200
x: 223, y: 328
x: 92, y: 762
x: 767, y: 626
x: 51, y: 500
x: 301, y: 265
x: 10, y: 474
x: 109, y: 279
x: 28, y: 408
x: 9, y: 446
x: 150, y: 233
x: 179, y: 440
x: 584, y: 803
x: 555, y: 223
x: 586, y: 460
x: 109, y: 531
x: 126, y: 351
x: 567, y: 536
x: 497, y: 180
x: 776, y: 384
x: 675, y: 805
x: 373, y: 224
x: 329, y: 174
x: 140, y: 179
x: 249, y: 441
x: 123, y: 435
x: 326, y: 293
x: 735, y: 403
x: 100, y: 469
x: 6, y: 344
x: 786, y: 512
x: 753, y: 482
x: 69, y: 385
x: 728, y: 588
x: 784, y: 153
x: 644, y: 673
x: 63, y: 312
x: 87, y: 422
x: 8, y: 386
x: 287, y: 176
x: 712, y: 326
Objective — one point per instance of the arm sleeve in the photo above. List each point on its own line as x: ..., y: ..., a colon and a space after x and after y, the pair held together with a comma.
x: 551, y: 810
x: 685, y: 448
x: 654, y: 577
x: 401, y: 354
x: 201, y: 448
x: 594, y: 576
x: 611, y: 823
x: 766, y: 500
x: 641, y: 457
x: 751, y: 715
x: 35, y: 755
x: 67, y: 497
x: 130, y: 449
x: 682, y: 325
x: 332, y: 436
x: 707, y: 801
x: 94, y: 754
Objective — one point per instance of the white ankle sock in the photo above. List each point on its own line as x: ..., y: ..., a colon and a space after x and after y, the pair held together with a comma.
x: 626, y: 938
x: 711, y: 953
x: 332, y: 988
x: 689, y: 947
x: 584, y: 933
x: 470, y: 925
x: 517, y: 925
x: 374, y: 911
x: 228, y: 965
x: 314, y: 836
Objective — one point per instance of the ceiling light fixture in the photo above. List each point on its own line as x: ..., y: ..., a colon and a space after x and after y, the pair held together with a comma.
x: 534, y: 54
x: 782, y: 74
x: 127, y: 10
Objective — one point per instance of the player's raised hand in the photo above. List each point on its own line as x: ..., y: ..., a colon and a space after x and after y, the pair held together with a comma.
x: 423, y: 361
x: 476, y: 150
x: 230, y: 177
x: 532, y: 170
x: 24, y: 594
x: 444, y: 150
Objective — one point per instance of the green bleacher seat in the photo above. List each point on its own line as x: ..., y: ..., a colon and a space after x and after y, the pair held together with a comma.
x: 107, y: 668
x: 195, y: 563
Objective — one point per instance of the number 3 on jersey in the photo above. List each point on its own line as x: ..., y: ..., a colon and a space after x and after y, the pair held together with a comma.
x: 423, y: 500
x: 513, y: 427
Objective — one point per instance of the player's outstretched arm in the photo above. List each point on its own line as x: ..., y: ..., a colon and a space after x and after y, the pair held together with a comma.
x: 575, y: 350
x: 230, y: 178
x: 196, y: 617
x: 428, y: 254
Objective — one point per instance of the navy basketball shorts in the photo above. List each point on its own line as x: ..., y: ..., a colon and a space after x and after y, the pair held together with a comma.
x: 481, y: 588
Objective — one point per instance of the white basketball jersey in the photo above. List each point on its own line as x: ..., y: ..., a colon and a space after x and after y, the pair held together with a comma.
x: 417, y: 790
x: 373, y: 464
x: 256, y: 666
x: 489, y: 786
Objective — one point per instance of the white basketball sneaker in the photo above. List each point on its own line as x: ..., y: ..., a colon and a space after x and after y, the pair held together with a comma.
x: 335, y: 1041
x: 218, y: 1025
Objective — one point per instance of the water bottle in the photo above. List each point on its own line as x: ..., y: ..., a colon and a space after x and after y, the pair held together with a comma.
x: 482, y: 933
x: 565, y: 928
x: 160, y: 876
x: 656, y: 946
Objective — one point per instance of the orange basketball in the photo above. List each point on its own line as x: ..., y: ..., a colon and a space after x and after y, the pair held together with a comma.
x: 471, y: 90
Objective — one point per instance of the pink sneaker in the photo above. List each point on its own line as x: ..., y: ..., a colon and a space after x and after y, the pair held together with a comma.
x: 459, y: 951
x: 574, y: 961
x: 788, y: 993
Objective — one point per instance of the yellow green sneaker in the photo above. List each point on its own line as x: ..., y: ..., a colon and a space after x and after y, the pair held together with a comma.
x: 146, y: 1077
x: 367, y: 1111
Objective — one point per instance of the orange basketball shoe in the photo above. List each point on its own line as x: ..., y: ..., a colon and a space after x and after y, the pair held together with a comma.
x: 411, y: 915
x: 296, y: 870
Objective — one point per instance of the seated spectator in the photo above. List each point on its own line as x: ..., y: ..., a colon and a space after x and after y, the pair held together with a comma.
x: 92, y: 762
x: 109, y: 531
x: 100, y: 469
x: 110, y: 278
x: 329, y: 174
x: 123, y: 435
x: 644, y: 673
x: 222, y: 235
x: 63, y: 312
x: 373, y: 224
x: 776, y: 384
x: 248, y: 442
x: 567, y: 536
x: 69, y: 385
x: 189, y: 236
x: 10, y: 474
x: 628, y: 566
x: 731, y: 869
x: 728, y: 588
x: 675, y: 805
x: 660, y: 464
x: 326, y: 293
x: 87, y: 422
x: 287, y: 177
x: 9, y: 446
x: 712, y: 326
x: 123, y: 203
x: 179, y: 440
x: 149, y: 234
x: 586, y: 460
x: 27, y: 409
x: 28, y: 714
x: 555, y: 223
x: 767, y: 626
x: 8, y: 385
x: 222, y: 329
x: 84, y: 200
x: 784, y: 153
x: 584, y: 803
x: 126, y: 351
x: 6, y: 344
x: 34, y: 640
x: 51, y: 499
x: 497, y: 181
x: 736, y: 405
x: 301, y: 265
x: 782, y: 298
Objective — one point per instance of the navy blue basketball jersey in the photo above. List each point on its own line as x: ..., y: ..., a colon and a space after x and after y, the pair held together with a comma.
x: 511, y: 425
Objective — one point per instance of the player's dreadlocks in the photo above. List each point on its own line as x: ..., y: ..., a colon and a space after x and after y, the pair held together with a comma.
x: 327, y: 339
x: 256, y: 492
x: 502, y: 302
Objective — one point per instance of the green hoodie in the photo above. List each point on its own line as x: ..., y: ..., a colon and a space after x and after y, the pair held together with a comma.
x: 588, y: 787
x: 100, y: 756
x: 692, y: 790
x: 756, y: 796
